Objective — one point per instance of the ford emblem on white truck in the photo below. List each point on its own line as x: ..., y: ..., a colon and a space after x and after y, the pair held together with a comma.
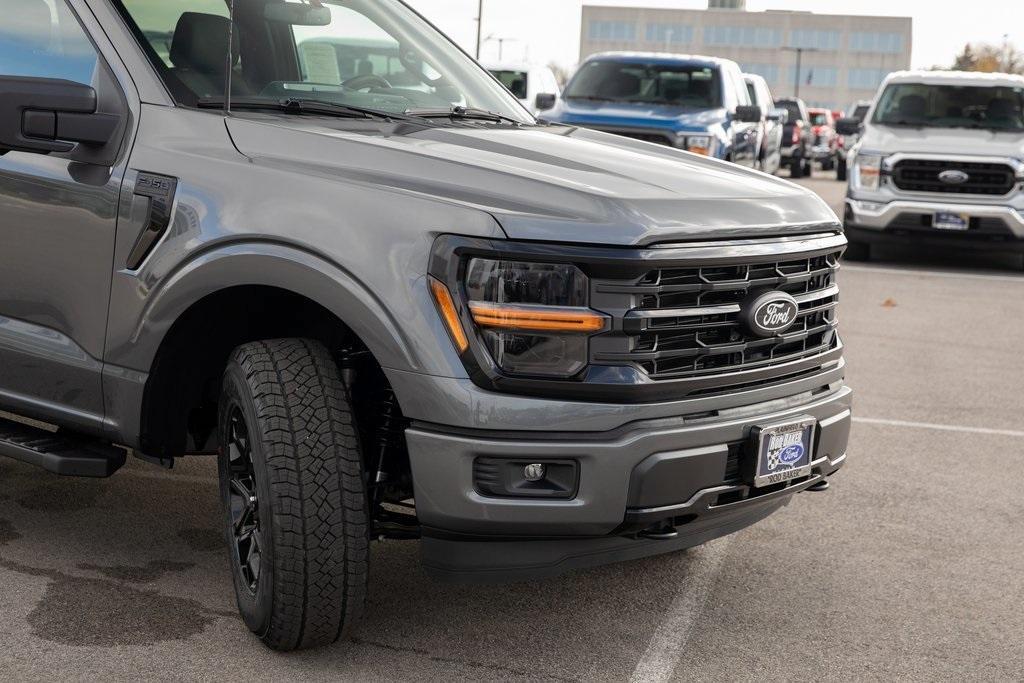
x: 954, y: 176
x: 769, y: 313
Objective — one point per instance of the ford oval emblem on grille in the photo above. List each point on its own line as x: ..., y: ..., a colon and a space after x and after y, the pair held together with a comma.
x: 769, y: 313
x: 954, y: 176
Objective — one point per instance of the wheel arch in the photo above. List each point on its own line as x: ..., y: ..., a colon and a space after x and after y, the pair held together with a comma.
x: 226, y: 298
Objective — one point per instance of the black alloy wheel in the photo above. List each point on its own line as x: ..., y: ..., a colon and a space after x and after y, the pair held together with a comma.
x: 243, y: 502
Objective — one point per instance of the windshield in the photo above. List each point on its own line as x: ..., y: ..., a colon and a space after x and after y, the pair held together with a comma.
x: 861, y: 111
x: 683, y: 85
x: 819, y: 118
x: 375, y: 54
x: 951, y: 106
x: 516, y: 81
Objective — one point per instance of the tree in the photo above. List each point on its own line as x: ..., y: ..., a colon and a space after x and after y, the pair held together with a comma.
x: 988, y: 58
x: 965, y: 61
x: 561, y: 73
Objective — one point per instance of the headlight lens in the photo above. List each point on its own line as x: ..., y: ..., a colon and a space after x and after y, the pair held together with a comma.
x: 532, y: 317
x: 867, y: 171
x: 699, y: 144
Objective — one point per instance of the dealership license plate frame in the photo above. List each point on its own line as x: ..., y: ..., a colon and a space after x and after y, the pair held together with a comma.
x: 766, y: 438
x: 951, y: 222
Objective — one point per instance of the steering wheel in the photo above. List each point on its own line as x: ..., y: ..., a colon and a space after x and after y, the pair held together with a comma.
x: 366, y: 81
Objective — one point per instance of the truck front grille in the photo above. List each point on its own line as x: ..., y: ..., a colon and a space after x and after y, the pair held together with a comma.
x: 922, y: 175
x: 685, y: 321
x: 661, y: 138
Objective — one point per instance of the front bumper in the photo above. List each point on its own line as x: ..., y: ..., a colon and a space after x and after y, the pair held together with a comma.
x: 992, y: 226
x: 792, y: 152
x: 678, y: 471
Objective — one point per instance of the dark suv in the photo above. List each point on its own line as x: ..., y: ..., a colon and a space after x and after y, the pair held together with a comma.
x: 391, y: 303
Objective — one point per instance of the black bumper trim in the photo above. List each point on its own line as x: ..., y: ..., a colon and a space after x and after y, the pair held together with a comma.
x: 934, y: 238
x: 487, y: 562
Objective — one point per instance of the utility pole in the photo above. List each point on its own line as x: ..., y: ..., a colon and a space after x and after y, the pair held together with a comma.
x: 479, y: 27
x: 799, y: 59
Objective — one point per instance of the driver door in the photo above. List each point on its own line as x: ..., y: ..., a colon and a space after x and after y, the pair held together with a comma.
x: 57, y: 217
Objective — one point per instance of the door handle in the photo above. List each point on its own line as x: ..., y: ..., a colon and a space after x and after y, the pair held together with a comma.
x: 160, y: 191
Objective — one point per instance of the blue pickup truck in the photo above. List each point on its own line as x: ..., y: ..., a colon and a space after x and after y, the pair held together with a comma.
x: 696, y: 103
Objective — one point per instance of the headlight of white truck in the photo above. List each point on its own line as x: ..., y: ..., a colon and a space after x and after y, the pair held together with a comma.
x: 867, y: 171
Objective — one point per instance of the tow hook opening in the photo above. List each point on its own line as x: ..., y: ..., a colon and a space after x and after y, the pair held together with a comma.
x: 665, y: 529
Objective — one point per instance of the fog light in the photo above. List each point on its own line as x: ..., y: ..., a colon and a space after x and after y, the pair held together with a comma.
x: 534, y: 472
x: 511, y: 477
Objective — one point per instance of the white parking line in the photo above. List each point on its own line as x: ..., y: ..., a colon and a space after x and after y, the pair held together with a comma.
x: 663, y: 653
x: 933, y: 273
x: 941, y: 427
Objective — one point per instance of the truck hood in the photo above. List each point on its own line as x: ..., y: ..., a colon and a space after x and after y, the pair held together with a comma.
x: 953, y: 141
x: 541, y: 183
x: 636, y: 115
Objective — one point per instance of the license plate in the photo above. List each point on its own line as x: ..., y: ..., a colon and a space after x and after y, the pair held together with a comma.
x: 951, y: 221
x: 784, y: 451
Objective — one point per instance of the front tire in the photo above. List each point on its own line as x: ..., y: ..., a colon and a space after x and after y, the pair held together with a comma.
x: 796, y: 168
x: 841, y: 170
x: 292, y: 486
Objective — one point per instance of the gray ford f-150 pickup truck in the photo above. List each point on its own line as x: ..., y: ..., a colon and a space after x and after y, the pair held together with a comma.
x: 318, y: 241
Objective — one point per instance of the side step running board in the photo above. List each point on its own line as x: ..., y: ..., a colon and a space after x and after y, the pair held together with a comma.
x: 60, y: 453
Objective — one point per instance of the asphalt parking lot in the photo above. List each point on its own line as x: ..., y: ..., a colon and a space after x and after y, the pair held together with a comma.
x: 911, y: 566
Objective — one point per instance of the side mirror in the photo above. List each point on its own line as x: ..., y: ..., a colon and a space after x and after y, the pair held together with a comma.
x: 780, y: 115
x: 848, y: 126
x: 749, y: 113
x: 44, y: 115
x: 545, y: 101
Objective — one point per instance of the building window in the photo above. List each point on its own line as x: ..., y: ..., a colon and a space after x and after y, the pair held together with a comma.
x: 876, y: 42
x: 821, y: 40
x: 742, y: 36
x: 865, y: 79
x: 675, y: 34
x: 769, y: 72
x: 815, y: 76
x: 621, y: 31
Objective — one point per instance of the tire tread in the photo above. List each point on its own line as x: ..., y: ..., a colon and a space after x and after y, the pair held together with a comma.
x: 320, y: 535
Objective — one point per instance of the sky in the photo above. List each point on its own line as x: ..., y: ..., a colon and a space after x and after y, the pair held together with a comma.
x: 549, y: 30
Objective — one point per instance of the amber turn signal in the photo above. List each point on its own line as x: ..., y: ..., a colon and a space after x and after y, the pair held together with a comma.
x: 446, y: 307
x: 536, y: 318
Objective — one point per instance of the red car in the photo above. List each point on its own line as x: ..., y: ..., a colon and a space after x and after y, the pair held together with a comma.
x: 826, y: 140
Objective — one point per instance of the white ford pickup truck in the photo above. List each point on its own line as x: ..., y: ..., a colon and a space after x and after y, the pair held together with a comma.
x: 940, y: 161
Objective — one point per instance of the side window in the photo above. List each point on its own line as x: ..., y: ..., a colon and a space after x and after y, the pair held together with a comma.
x: 43, y: 39
x: 159, y: 20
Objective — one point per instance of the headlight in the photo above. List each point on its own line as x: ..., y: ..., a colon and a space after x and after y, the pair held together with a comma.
x: 533, y: 318
x: 867, y: 171
x: 699, y: 144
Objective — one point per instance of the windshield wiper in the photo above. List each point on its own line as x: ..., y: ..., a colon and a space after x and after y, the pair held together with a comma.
x: 465, y: 113
x: 902, y: 122
x: 296, y: 105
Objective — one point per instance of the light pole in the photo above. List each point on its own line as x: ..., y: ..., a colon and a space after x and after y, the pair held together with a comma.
x: 479, y: 27
x: 501, y: 44
x: 799, y: 58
